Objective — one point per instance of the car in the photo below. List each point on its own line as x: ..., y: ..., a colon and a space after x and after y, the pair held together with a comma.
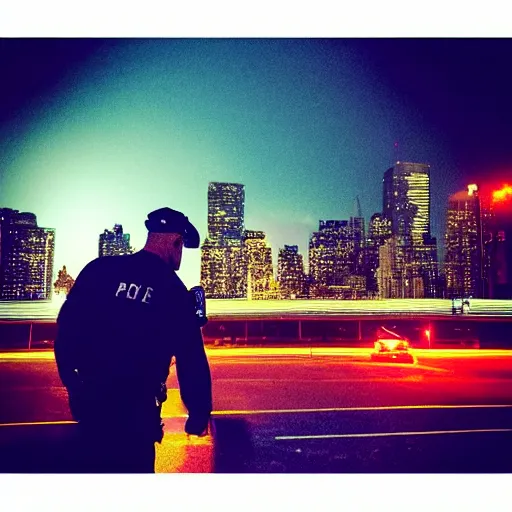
x: 461, y: 305
x: 391, y: 347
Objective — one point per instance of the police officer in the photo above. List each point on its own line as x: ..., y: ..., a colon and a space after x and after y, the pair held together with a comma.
x: 122, y: 323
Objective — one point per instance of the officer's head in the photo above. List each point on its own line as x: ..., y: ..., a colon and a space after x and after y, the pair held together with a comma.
x: 170, y: 230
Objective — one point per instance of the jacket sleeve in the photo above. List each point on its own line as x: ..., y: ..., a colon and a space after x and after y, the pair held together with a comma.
x: 71, y: 327
x: 192, y: 366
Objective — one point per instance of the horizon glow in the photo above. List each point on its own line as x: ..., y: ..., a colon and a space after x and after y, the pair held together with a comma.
x: 143, y: 124
x: 502, y: 195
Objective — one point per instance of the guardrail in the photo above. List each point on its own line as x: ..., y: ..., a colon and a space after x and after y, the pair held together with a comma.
x: 425, y: 331
x: 240, y: 308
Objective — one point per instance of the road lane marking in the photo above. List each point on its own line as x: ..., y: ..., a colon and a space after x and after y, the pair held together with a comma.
x: 270, y: 380
x: 391, y: 434
x: 316, y: 361
x: 291, y: 411
x: 411, y: 366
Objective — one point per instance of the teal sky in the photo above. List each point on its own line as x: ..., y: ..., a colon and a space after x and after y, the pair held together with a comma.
x: 305, y: 125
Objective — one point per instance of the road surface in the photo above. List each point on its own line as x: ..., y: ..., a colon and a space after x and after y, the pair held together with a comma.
x: 297, y: 410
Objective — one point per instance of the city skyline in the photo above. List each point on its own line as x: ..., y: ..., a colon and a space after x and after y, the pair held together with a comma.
x: 365, y: 238
x: 26, y: 257
x: 98, y: 132
x: 114, y: 242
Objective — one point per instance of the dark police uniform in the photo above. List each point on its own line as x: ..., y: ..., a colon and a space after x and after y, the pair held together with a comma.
x: 123, y: 321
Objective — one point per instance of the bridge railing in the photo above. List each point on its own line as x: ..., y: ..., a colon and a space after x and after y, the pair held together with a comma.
x: 422, y: 332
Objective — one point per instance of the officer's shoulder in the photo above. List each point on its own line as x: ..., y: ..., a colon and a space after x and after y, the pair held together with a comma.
x: 101, y: 265
x: 175, y: 282
x: 98, y: 263
x: 90, y: 267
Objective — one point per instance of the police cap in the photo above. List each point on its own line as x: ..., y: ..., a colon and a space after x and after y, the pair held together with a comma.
x: 167, y: 220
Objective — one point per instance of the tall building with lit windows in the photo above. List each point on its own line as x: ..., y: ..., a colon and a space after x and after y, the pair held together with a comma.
x: 226, y: 205
x: 223, y: 271
x: 379, y: 230
x: 329, y: 253
x: 114, y: 242
x: 488, y: 224
x: 394, y: 276
x: 223, y: 260
x: 426, y: 256
x: 388, y: 273
x: 406, y: 202
x: 357, y: 238
x: 258, y: 262
x: 333, y: 264
x: 463, y: 243
x: 290, y: 272
x: 26, y: 257
x: 500, y: 244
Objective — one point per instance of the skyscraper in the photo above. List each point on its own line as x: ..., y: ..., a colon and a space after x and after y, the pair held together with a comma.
x: 226, y: 204
x: 500, y: 245
x: 329, y: 253
x: 395, y: 280
x: 427, y: 259
x: 389, y: 269
x: 115, y: 242
x: 463, y: 242
x: 333, y: 264
x: 258, y: 262
x: 488, y: 229
x: 379, y: 230
x: 357, y: 234
x: 223, y: 271
x: 406, y: 202
x: 358, y: 241
x: 26, y: 257
x: 290, y: 272
x: 406, y: 188
x: 223, y: 262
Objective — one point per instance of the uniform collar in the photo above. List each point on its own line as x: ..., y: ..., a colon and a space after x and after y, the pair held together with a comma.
x: 151, y: 256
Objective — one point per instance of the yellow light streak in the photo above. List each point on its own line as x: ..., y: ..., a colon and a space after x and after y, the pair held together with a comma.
x: 351, y: 409
x: 38, y: 423
x: 295, y: 351
x: 46, y: 355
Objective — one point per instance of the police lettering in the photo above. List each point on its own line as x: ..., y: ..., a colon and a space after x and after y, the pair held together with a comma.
x: 132, y: 292
x: 147, y: 295
x: 122, y: 288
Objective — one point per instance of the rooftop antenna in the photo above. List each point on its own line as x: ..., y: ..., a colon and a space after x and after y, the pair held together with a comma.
x: 396, y: 154
x: 358, y: 208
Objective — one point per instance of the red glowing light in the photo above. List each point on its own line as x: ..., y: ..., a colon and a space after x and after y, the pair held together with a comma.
x: 502, y: 195
x: 427, y: 334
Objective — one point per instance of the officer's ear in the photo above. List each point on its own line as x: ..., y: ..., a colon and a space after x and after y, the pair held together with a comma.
x: 178, y: 242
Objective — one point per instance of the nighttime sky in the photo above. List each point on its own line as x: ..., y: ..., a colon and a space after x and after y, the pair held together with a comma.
x: 97, y: 132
